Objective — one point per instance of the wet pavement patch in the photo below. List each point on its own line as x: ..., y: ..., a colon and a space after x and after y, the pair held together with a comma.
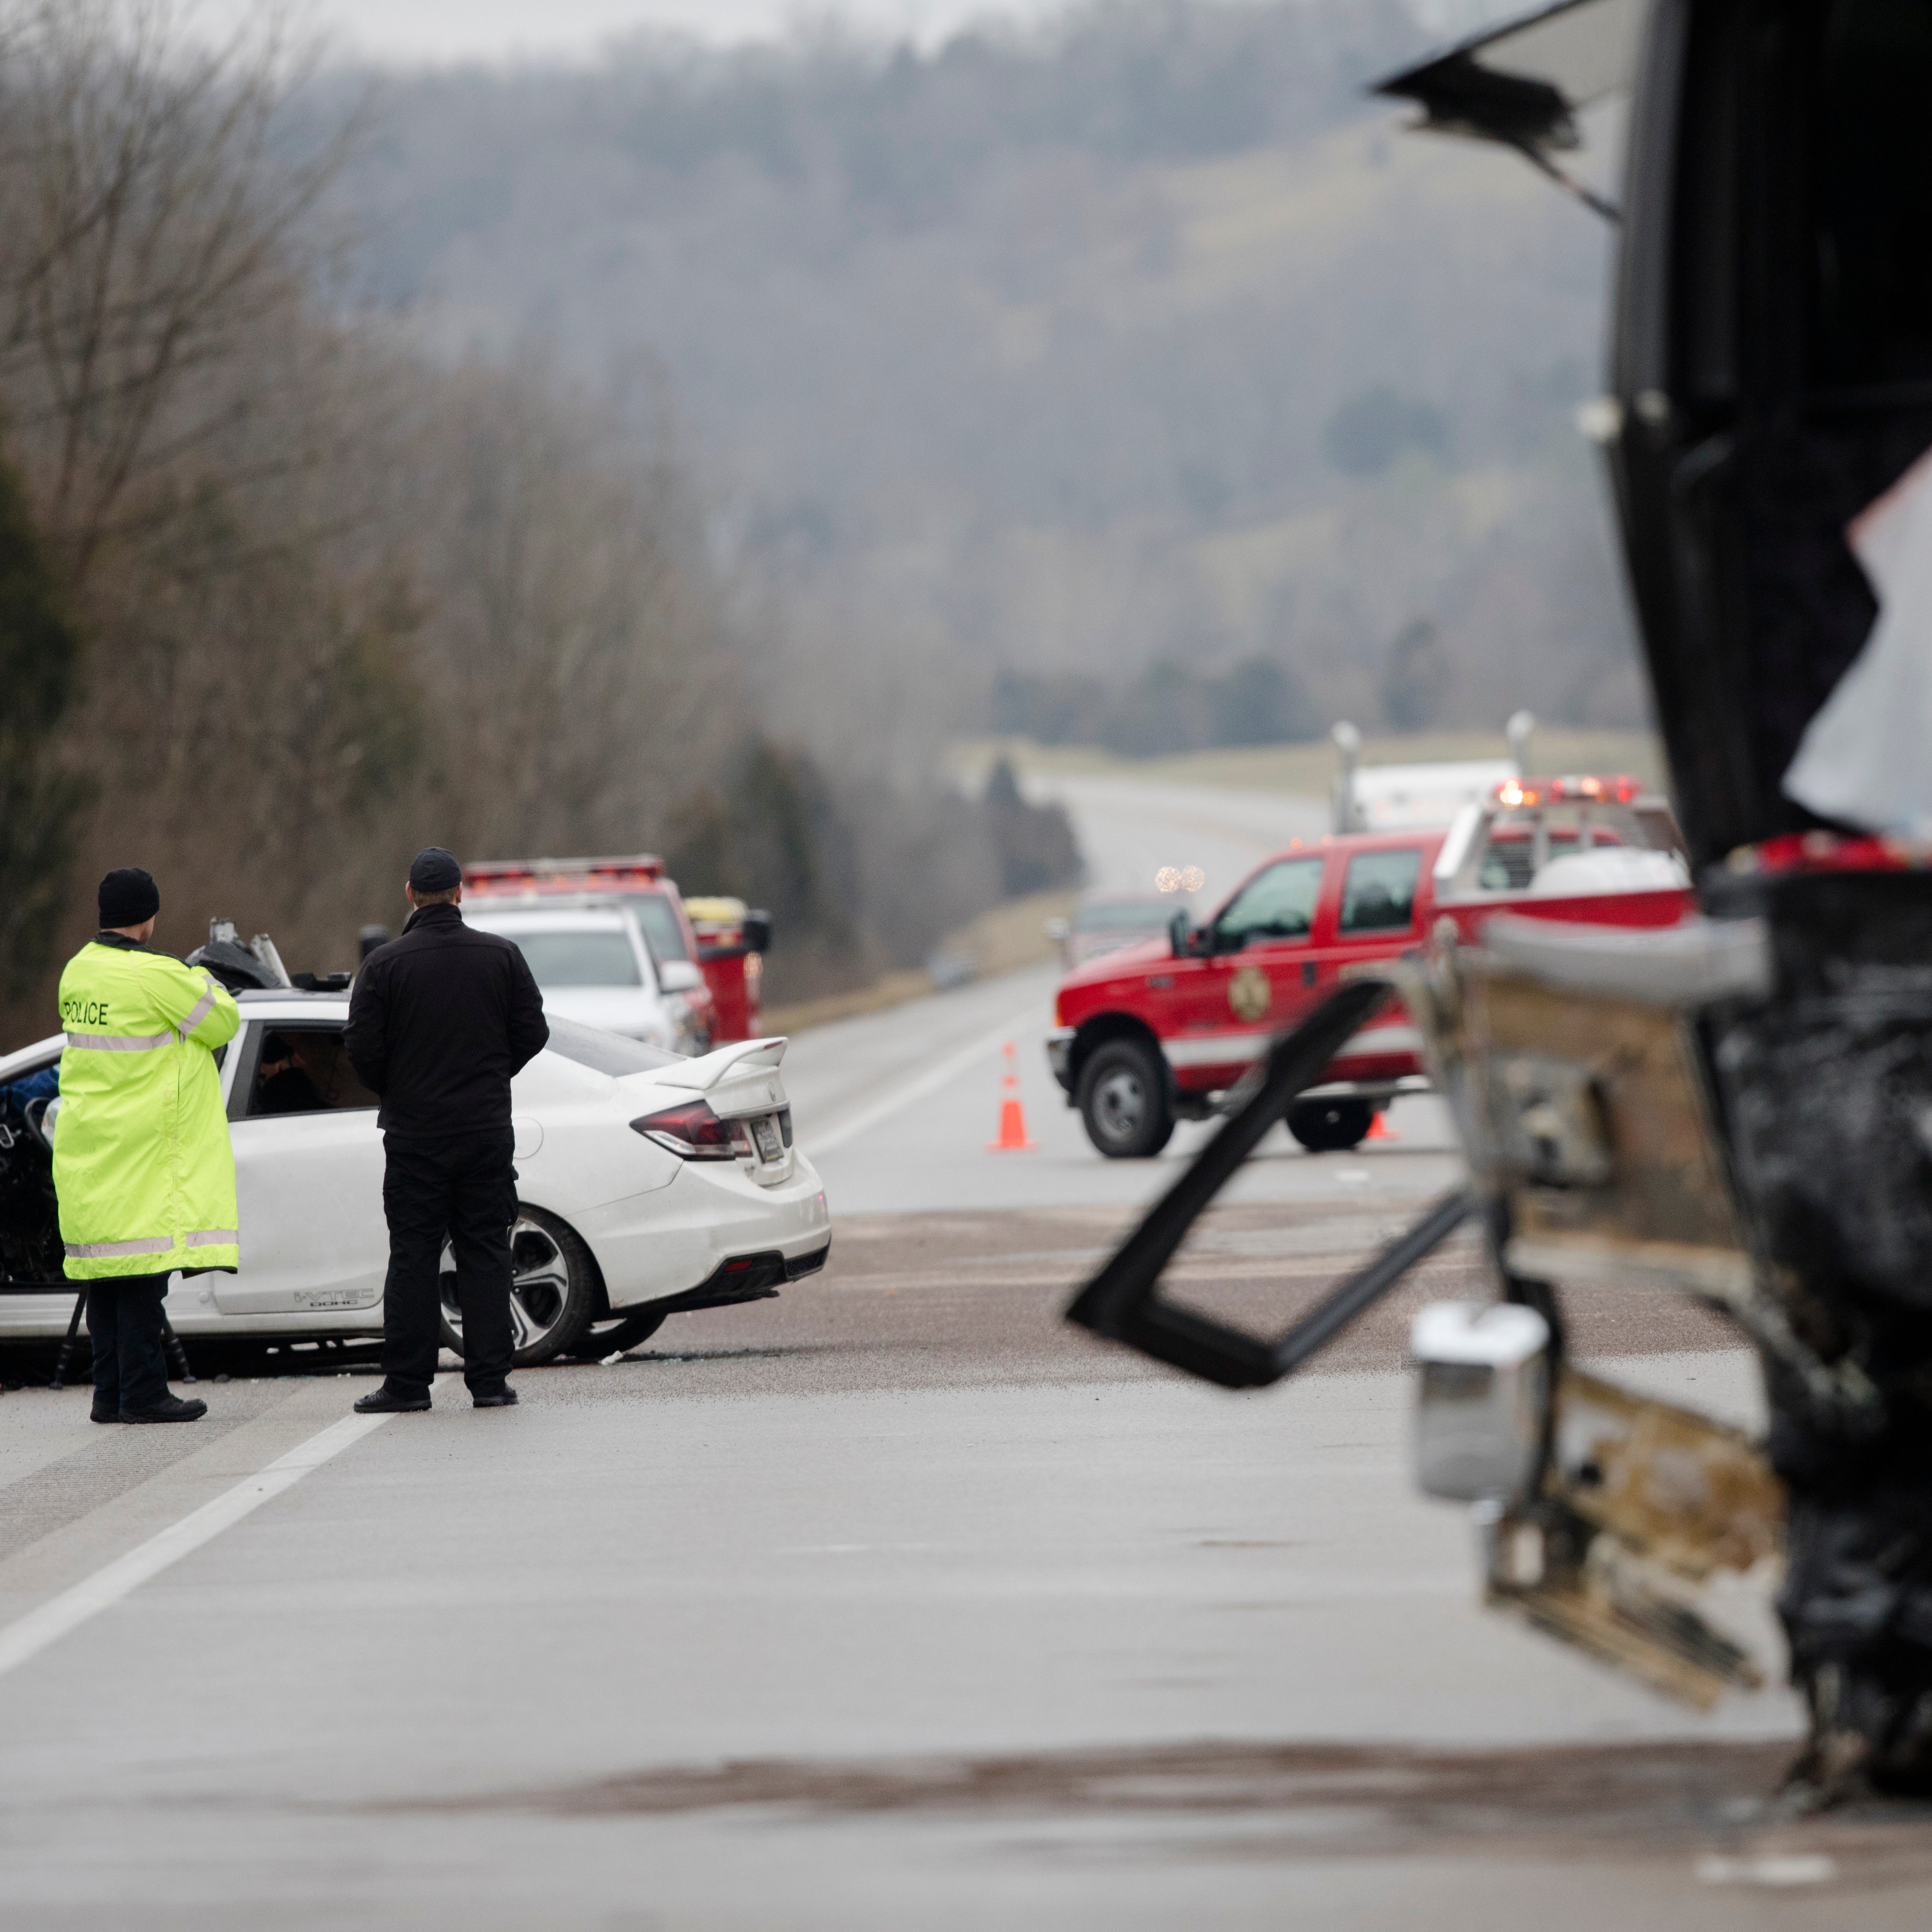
x: 1717, y: 1799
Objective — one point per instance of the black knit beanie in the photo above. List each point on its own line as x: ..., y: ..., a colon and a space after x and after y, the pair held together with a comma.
x: 128, y: 896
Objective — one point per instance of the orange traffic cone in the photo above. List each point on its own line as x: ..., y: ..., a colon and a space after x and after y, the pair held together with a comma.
x: 1013, y: 1118
x: 1379, y: 1129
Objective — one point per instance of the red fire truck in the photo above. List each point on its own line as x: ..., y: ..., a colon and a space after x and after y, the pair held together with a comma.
x: 1160, y: 1031
x: 732, y: 940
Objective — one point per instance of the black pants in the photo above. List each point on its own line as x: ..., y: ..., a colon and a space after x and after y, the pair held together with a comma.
x: 464, y: 1191
x: 126, y: 1325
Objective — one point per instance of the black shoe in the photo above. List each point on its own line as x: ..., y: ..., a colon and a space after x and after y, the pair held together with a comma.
x: 171, y: 1408
x: 386, y: 1401
x: 501, y: 1398
x: 106, y: 1408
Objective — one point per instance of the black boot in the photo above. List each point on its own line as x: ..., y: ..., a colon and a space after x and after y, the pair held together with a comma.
x: 169, y: 1408
x: 387, y: 1401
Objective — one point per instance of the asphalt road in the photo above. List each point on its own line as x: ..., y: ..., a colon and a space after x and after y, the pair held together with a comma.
x: 1128, y: 830
x: 893, y: 1602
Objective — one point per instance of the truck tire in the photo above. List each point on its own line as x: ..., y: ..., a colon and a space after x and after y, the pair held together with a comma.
x: 1330, y: 1126
x: 1123, y: 1100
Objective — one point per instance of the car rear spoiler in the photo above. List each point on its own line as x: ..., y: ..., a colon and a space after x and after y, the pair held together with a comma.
x: 709, y: 1069
x: 1523, y: 84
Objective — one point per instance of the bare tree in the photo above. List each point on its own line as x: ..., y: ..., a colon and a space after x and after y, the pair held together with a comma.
x: 149, y: 228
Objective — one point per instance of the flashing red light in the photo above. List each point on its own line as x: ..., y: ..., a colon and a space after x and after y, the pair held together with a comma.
x: 1621, y: 789
x: 563, y: 875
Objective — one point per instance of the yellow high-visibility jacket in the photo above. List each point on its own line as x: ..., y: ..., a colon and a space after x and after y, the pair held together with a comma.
x: 142, y: 1164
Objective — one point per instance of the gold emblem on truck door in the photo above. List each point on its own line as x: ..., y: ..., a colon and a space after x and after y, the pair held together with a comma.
x: 1249, y: 993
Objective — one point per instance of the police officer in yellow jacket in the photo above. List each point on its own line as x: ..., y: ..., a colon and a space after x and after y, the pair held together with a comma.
x: 142, y: 1165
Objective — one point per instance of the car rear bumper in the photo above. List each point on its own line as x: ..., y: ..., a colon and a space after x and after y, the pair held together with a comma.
x: 747, y: 1278
x: 659, y: 1246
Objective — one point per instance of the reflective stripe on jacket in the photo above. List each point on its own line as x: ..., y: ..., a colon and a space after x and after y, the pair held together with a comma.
x: 143, y: 1164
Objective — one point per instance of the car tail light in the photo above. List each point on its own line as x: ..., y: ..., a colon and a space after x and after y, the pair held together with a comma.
x: 694, y: 1133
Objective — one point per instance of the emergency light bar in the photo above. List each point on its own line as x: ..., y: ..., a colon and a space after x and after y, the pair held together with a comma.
x: 638, y: 867
x: 1622, y: 791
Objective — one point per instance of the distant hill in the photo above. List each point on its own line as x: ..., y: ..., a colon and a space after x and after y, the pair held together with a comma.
x: 1145, y: 339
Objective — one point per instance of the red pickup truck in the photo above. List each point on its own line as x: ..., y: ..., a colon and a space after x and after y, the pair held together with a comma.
x: 1160, y: 1031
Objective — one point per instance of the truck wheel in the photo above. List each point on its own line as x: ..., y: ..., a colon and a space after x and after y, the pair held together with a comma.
x: 1123, y: 1100
x: 1330, y: 1126
x: 554, y: 1290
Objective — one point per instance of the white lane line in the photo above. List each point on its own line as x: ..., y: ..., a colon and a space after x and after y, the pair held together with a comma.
x: 933, y: 1078
x: 52, y: 1620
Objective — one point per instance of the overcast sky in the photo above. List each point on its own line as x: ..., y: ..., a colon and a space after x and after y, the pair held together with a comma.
x: 410, y: 32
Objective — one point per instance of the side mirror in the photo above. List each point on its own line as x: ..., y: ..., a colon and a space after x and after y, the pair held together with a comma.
x: 679, y: 976
x: 757, y: 932
x: 1181, y: 934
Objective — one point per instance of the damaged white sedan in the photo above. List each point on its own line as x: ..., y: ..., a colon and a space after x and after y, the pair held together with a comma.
x: 647, y: 1184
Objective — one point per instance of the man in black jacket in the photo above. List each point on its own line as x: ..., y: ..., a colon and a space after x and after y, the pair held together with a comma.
x: 439, y: 1020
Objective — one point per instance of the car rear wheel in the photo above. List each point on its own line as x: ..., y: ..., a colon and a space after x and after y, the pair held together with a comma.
x: 554, y: 1290
x: 1123, y: 1100
x: 1330, y: 1126
x: 613, y: 1338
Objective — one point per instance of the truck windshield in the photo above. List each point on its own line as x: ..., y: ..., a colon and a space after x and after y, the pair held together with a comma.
x: 560, y: 959
x: 1277, y: 904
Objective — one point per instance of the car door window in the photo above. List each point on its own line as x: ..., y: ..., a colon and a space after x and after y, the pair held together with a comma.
x: 305, y: 1070
x: 1378, y: 893
x: 662, y: 933
x: 1275, y: 905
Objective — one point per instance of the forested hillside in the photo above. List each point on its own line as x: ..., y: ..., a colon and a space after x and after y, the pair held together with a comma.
x: 284, y: 595
x: 675, y: 452
x: 1139, y: 340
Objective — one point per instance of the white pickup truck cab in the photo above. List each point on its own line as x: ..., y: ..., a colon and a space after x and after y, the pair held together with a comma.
x: 591, y: 964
